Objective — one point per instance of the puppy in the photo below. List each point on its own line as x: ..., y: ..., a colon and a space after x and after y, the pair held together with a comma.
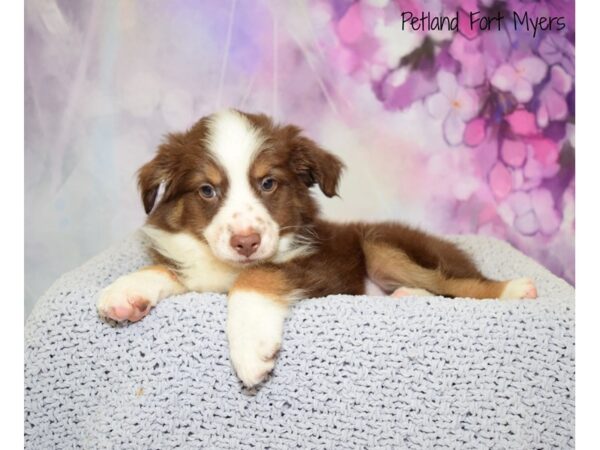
x: 237, y: 216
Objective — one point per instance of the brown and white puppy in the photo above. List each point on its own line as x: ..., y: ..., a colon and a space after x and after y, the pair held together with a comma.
x: 237, y: 216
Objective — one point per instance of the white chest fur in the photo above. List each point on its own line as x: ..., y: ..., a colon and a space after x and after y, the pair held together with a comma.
x: 199, y: 270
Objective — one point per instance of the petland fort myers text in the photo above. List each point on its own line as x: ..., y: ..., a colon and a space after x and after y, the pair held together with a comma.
x: 479, y: 21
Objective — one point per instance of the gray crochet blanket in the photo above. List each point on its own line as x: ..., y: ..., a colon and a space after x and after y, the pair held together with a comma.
x: 354, y: 372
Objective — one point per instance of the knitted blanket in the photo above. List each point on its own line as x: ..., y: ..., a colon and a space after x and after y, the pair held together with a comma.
x: 353, y: 372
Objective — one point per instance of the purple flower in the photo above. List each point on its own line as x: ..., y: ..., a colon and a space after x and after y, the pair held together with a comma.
x: 454, y: 104
x: 522, y: 122
x: 531, y: 212
x: 553, y: 104
x: 475, y: 132
x: 519, y: 77
x: 557, y: 49
x: 500, y: 179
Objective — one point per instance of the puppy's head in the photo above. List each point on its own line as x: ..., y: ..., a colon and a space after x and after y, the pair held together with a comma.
x: 240, y: 183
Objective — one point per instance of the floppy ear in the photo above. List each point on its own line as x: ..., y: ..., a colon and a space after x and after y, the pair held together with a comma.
x: 315, y: 165
x: 149, y: 178
x: 161, y: 169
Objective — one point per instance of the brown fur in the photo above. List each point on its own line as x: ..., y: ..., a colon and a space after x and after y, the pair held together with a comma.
x: 267, y: 279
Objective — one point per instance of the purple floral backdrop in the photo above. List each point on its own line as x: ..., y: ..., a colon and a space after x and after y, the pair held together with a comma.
x: 455, y: 132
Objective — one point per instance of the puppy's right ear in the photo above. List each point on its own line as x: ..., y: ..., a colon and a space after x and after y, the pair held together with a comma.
x: 161, y: 169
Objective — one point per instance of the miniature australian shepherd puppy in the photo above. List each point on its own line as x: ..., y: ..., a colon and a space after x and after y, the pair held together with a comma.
x: 237, y: 216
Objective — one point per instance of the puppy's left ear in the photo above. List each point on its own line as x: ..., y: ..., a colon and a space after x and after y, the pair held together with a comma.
x: 313, y: 164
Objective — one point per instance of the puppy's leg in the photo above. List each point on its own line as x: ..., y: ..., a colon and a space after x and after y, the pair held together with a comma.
x: 392, y: 269
x: 256, y: 309
x: 483, y: 288
x: 132, y: 296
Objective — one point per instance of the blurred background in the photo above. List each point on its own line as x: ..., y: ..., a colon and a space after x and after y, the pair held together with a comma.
x: 454, y: 132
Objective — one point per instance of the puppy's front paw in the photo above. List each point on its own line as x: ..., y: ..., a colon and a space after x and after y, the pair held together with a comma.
x: 121, y: 306
x: 519, y: 288
x: 254, y: 331
x: 253, y: 356
x: 128, y: 298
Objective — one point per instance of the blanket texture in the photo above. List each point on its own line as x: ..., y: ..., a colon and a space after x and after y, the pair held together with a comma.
x: 353, y: 372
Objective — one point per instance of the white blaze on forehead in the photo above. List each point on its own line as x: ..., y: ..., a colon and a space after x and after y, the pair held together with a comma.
x: 234, y: 143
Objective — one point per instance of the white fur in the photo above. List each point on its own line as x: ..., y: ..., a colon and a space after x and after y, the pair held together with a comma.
x: 149, y: 285
x: 519, y: 288
x: 290, y: 247
x: 373, y: 289
x: 199, y: 270
x: 254, y: 331
x: 234, y: 142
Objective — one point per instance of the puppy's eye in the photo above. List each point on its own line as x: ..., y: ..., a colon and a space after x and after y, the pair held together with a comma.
x: 268, y: 184
x: 207, y: 191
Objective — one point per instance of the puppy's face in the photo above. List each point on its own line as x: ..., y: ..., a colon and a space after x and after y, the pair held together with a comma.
x: 239, y: 183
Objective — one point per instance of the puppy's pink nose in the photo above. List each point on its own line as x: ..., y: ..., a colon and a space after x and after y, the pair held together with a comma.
x: 245, y: 244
